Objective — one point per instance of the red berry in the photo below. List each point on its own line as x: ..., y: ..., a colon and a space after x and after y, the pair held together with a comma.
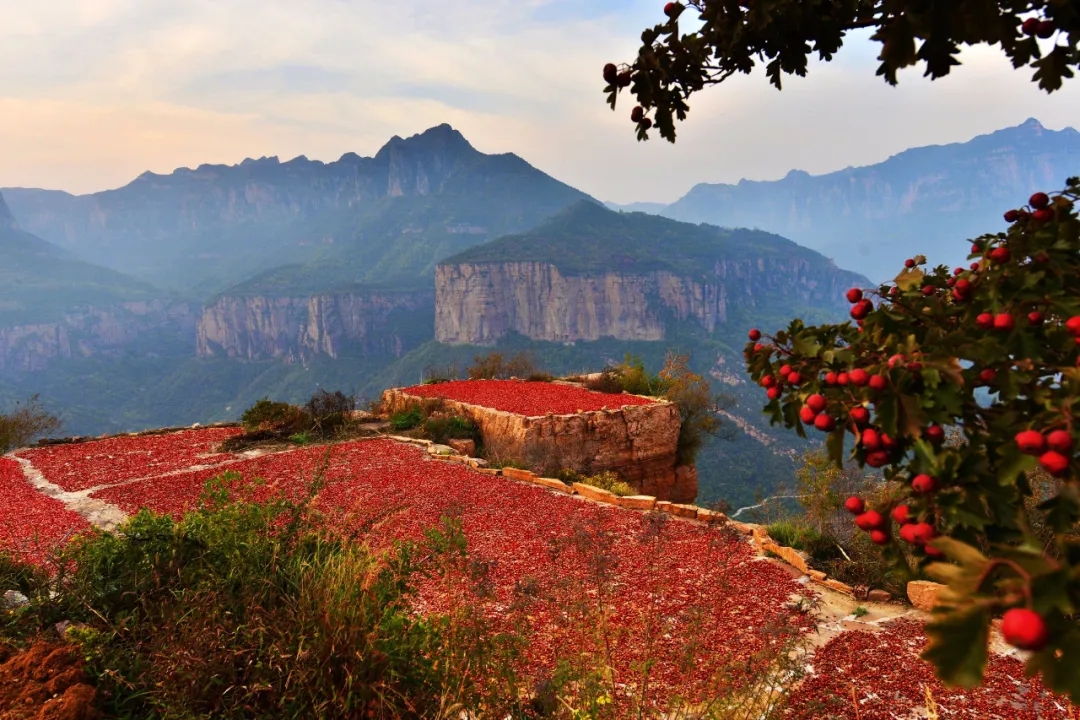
x: 894, y: 291
x: 624, y: 78
x: 1045, y: 30
x: 672, y: 9
x: 869, y: 520
x: 824, y: 423
x: 1024, y: 629
x: 754, y: 334
x: 902, y: 514
x: 859, y: 377
x: 768, y: 381
x: 855, y: 505
x: 646, y: 123
x: 984, y: 321
x: 1040, y: 199
x: 896, y: 360
x: 1054, y: 463
x: 854, y: 295
x: 887, y: 442
x: 794, y: 378
x: 877, y: 458
x: 909, y: 263
x: 1030, y: 442
x: 1004, y: 321
x: 1043, y: 215
x: 879, y: 537
x: 928, y: 290
x: 785, y: 370
x: 932, y: 551
x: 637, y: 114
x: 1035, y: 318
x: 1000, y: 255
x: 806, y: 414
x: 923, y: 484
x: 842, y: 379
x: 976, y: 248
x: 962, y: 285
x: 871, y: 440
x: 758, y: 346
x: 816, y: 402
x: 987, y: 375
x: 860, y: 415
x: 1061, y: 441
x: 1030, y: 27
x: 950, y: 282
x: 935, y: 434
x: 877, y: 383
x: 907, y: 533
x: 830, y: 378
x: 974, y: 266
x: 610, y: 73
x: 1010, y: 217
x: 774, y: 393
x: 921, y: 533
x: 861, y: 309
x: 1073, y: 325
x: 957, y: 271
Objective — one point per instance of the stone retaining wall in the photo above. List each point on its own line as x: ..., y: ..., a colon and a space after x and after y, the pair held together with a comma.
x: 637, y: 441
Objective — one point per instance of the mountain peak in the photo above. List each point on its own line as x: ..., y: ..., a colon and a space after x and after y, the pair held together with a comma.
x: 1031, y: 124
x: 7, y: 220
x: 441, y: 139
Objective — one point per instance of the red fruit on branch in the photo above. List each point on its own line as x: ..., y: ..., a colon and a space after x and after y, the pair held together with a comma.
x: 962, y: 285
x: 611, y: 73
x: 1030, y: 27
x: 909, y: 263
x: 774, y: 393
x: 907, y: 533
x: 1060, y: 441
x: 1046, y: 29
x: 637, y: 114
x: 785, y: 370
x: 853, y: 295
x: 923, y: 484
x: 922, y: 533
x: 794, y: 378
x: 1054, y: 463
x: 1035, y: 318
x: 1044, y: 215
x: 842, y: 379
x: 934, y: 434
x: 1073, y: 325
x: 987, y: 375
x: 830, y: 378
x: 877, y: 383
x: 824, y: 423
x: 869, y: 520
x: 646, y: 123
x: 1030, y: 442
x: 860, y: 415
x: 758, y: 346
x: 879, y: 537
x: 871, y: 440
x: 932, y: 551
x: 950, y: 282
x: 859, y: 377
x: 1040, y: 199
x: 624, y: 78
x: 861, y: 309
x: 896, y: 361
x: 887, y: 442
x: 1004, y: 321
x: 816, y: 402
x: 855, y: 505
x: 974, y: 267
x: 877, y: 458
x: 1011, y: 216
x: 768, y: 381
x: 984, y: 321
x: 806, y: 414
x: 754, y: 334
x: 1024, y: 629
x: 902, y: 514
x: 672, y: 9
x: 1000, y: 255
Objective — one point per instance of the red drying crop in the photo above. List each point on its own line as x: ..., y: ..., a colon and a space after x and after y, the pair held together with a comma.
x: 31, y: 524
x: 889, y: 680
x: 526, y: 398
x: 79, y: 466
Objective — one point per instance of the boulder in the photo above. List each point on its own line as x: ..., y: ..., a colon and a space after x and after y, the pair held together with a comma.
x: 881, y: 596
x: 465, y: 447
x: 595, y: 493
x: 923, y: 594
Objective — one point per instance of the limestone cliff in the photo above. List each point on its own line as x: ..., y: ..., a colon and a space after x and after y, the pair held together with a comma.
x: 298, y: 328
x: 478, y: 303
x: 89, y: 331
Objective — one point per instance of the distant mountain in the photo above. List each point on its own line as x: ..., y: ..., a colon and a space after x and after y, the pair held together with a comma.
x: 928, y: 200
x: 645, y: 207
x: 386, y: 219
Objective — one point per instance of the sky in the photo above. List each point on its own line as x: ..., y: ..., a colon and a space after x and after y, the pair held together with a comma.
x: 95, y: 92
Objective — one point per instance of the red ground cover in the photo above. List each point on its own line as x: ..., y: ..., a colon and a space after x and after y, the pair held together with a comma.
x: 31, y: 524
x: 526, y: 398
x: 101, y: 462
x: 888, y: 678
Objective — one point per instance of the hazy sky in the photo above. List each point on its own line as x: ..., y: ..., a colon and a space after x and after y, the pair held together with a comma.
x: 94, y: 92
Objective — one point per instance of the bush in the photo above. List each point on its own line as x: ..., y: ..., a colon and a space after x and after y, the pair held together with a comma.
x: 406, y: 419
x: 607, y: 480
x: 330, y: 412
x: 278, y: 417
x: 494, y: 366
x: 441, y: 429
x: 25, y: 423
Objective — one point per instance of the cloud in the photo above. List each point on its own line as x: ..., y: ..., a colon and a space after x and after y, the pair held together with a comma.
x: 93, y: 92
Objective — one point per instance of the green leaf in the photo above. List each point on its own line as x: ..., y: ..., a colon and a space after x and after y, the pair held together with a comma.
x: 910, y: 279
x: 958, y: 644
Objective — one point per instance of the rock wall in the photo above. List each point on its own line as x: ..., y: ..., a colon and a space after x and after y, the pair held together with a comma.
x: 260, y: 328
x: 480, y: 303
x: 89, y: 331
x: 638, y: 442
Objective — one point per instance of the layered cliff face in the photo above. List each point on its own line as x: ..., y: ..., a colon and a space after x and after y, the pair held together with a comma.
x: 92, y: 331
x: 298, y: 328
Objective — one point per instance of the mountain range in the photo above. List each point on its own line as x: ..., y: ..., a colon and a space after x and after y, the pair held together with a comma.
x: 931, y: 200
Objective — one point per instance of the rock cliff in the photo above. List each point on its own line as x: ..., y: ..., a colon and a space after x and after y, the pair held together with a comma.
x: 88, y: 331
x: 298, y: 328
x: 480, y: 303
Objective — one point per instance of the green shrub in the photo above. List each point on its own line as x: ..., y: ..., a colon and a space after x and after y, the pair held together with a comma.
x: 606, y: 480
x: 25, y: 423
x: 330, y: 411
x: 440, y: 429
x: 494, y: 366
x: 406, y: 419
x: 300, y: 438
x: 278, y: 417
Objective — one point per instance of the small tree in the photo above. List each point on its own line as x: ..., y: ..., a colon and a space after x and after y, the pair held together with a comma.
x: 734, y: 36
x: 25, y: 423
x: 692, y: 394
x: 992, y: 351
x: 822, y: 486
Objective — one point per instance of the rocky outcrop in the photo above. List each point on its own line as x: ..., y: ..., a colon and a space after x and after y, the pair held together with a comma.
x: 638, y: 442
x: 482, y: 302
x: 90, y: 331
x: 298, y: 328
